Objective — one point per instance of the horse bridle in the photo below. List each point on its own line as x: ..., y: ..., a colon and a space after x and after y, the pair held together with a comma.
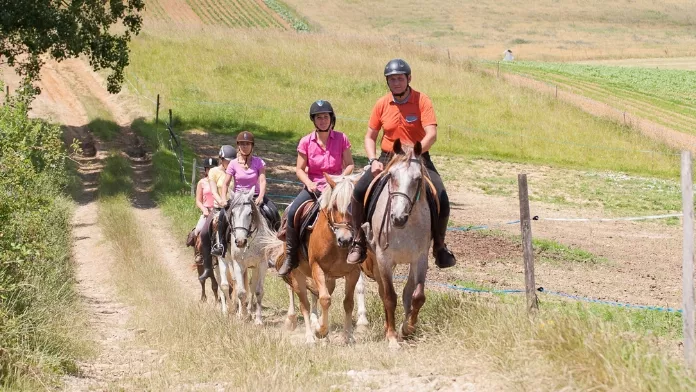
x: 248, y: 230
x: 394, y: 194
x: 335, y: 226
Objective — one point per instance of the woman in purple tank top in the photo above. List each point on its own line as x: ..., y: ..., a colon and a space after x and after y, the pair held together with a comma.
x: 245, y: 172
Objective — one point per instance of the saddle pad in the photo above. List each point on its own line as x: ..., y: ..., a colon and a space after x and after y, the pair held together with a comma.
x: 305, y: 218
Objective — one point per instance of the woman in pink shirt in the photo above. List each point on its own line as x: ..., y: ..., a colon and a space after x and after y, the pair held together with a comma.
x: 323, y: 150
x: 245, y: 172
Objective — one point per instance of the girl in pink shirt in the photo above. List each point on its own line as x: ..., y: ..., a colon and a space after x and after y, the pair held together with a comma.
x: 322, y: 151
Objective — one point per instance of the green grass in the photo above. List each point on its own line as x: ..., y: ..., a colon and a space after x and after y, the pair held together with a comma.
x: 101, y: 122
x: 553, y: 252
x: 664, y: 96
x: 268, y: 81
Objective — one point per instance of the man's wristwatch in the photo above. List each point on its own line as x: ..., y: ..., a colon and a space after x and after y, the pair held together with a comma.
x: 369, y: 162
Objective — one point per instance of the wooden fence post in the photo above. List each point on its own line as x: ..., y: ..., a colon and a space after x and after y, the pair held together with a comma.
x: 528, y: 251
x: 157, y: 111
x: 193, y: 178
x: 688, y: 258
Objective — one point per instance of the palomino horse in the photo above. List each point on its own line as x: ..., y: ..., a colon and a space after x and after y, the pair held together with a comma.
x: 400, y: 234
x: 327, y: 249
x: 245, y: 252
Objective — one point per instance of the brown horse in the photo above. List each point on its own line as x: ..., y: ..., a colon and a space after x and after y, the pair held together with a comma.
x: 198, y: 262
x: 399, y: 233
x: 326, y: 260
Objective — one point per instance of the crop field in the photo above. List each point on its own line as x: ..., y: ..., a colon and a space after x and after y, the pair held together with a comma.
x: 546, y: 30
x: 665, y: 96
x: 224, y: 13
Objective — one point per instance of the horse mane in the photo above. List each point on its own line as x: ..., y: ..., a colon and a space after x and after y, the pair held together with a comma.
x: 339, y: 196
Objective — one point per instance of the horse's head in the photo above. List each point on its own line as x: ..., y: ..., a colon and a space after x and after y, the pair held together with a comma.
x: 243, y: 216
x: 406, y: 172
x: 335, y: 203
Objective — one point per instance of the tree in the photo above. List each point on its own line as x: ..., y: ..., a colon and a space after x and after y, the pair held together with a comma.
x: 31, y: 30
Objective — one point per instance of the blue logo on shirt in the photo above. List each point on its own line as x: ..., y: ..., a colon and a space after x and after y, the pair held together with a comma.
x: 411, y: 118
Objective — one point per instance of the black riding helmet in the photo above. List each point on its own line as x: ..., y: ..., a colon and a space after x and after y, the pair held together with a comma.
x: 322, y: 106
x: 210, y: 162
x: 397, y: 67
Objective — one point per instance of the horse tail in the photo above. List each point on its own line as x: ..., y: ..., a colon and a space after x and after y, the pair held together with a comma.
x: 273, y: 249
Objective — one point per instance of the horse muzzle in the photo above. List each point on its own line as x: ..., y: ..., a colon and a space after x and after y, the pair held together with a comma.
x: 344, y: 242
x: 241, y: 243
x: 399, y: 221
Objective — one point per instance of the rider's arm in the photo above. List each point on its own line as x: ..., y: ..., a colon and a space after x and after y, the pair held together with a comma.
x: 371, y: 142
x: 226, y: 185
x: 199, y: 197
x: 348, y: 164
x: 430, y: 137
x: 300, y: 167
x: 214, y: 191
x: 262, y: 182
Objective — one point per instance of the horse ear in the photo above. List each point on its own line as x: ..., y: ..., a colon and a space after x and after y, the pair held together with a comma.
x: 397, y: 147
x: 418, y: 149
x: 330, y: 180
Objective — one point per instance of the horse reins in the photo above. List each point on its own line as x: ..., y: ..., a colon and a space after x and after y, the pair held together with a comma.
x: 385, y: 222
x: 250, y: 232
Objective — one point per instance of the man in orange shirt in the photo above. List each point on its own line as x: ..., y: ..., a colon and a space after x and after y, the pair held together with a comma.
x: 405, y: 114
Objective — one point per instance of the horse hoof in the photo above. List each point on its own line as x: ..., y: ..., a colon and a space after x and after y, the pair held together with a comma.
x: 348, y: 340
x: 361, y: 329
x: 310, y: 340
x: 394, y: 345
x: 258, y: 323
x: 291, y: 323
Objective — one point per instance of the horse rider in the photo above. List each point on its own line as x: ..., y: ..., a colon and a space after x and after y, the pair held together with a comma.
x: 204, y: 199
x: 324, y: 150
x: 405, y: 114
x: 248, y: 171
x: 216, y: 179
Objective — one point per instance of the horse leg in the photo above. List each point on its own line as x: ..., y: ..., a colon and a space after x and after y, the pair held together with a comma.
x: 199, y: 269
x: 240, y: 284
x: 257, y: 283
x: 224, y: 285
x: 314, y: 311
x: 348, y: 304
x: 324, y: 299
x: 415, y: 295
x: 304, y: 305
x: 214, y: 284
x: 389, y: 300
x: 291, y: 319
x: 362, y: 311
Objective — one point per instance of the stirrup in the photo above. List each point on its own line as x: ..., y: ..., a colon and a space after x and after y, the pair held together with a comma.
x: 286, y: 268
x: 216, y: 250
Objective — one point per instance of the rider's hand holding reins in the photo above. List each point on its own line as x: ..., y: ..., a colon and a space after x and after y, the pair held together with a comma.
x: 376, y: 167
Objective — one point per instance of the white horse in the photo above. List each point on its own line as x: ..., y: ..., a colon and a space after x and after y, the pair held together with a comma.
x: 245, y: 252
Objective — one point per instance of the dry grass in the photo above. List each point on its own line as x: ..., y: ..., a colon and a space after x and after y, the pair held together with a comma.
x: 539, y: 30
x: 489, y: 341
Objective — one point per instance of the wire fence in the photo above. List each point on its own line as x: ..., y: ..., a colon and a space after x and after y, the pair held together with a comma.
x: 283, y: 199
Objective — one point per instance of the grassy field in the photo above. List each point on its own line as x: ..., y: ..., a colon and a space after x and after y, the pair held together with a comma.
x: 250, y: 81
x: 683, y: 63
x: 566, y: 346
x: 541, y: 30
x: 665, y: 96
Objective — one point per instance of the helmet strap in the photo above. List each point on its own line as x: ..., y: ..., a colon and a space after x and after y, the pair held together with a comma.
x: 403, y: 97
